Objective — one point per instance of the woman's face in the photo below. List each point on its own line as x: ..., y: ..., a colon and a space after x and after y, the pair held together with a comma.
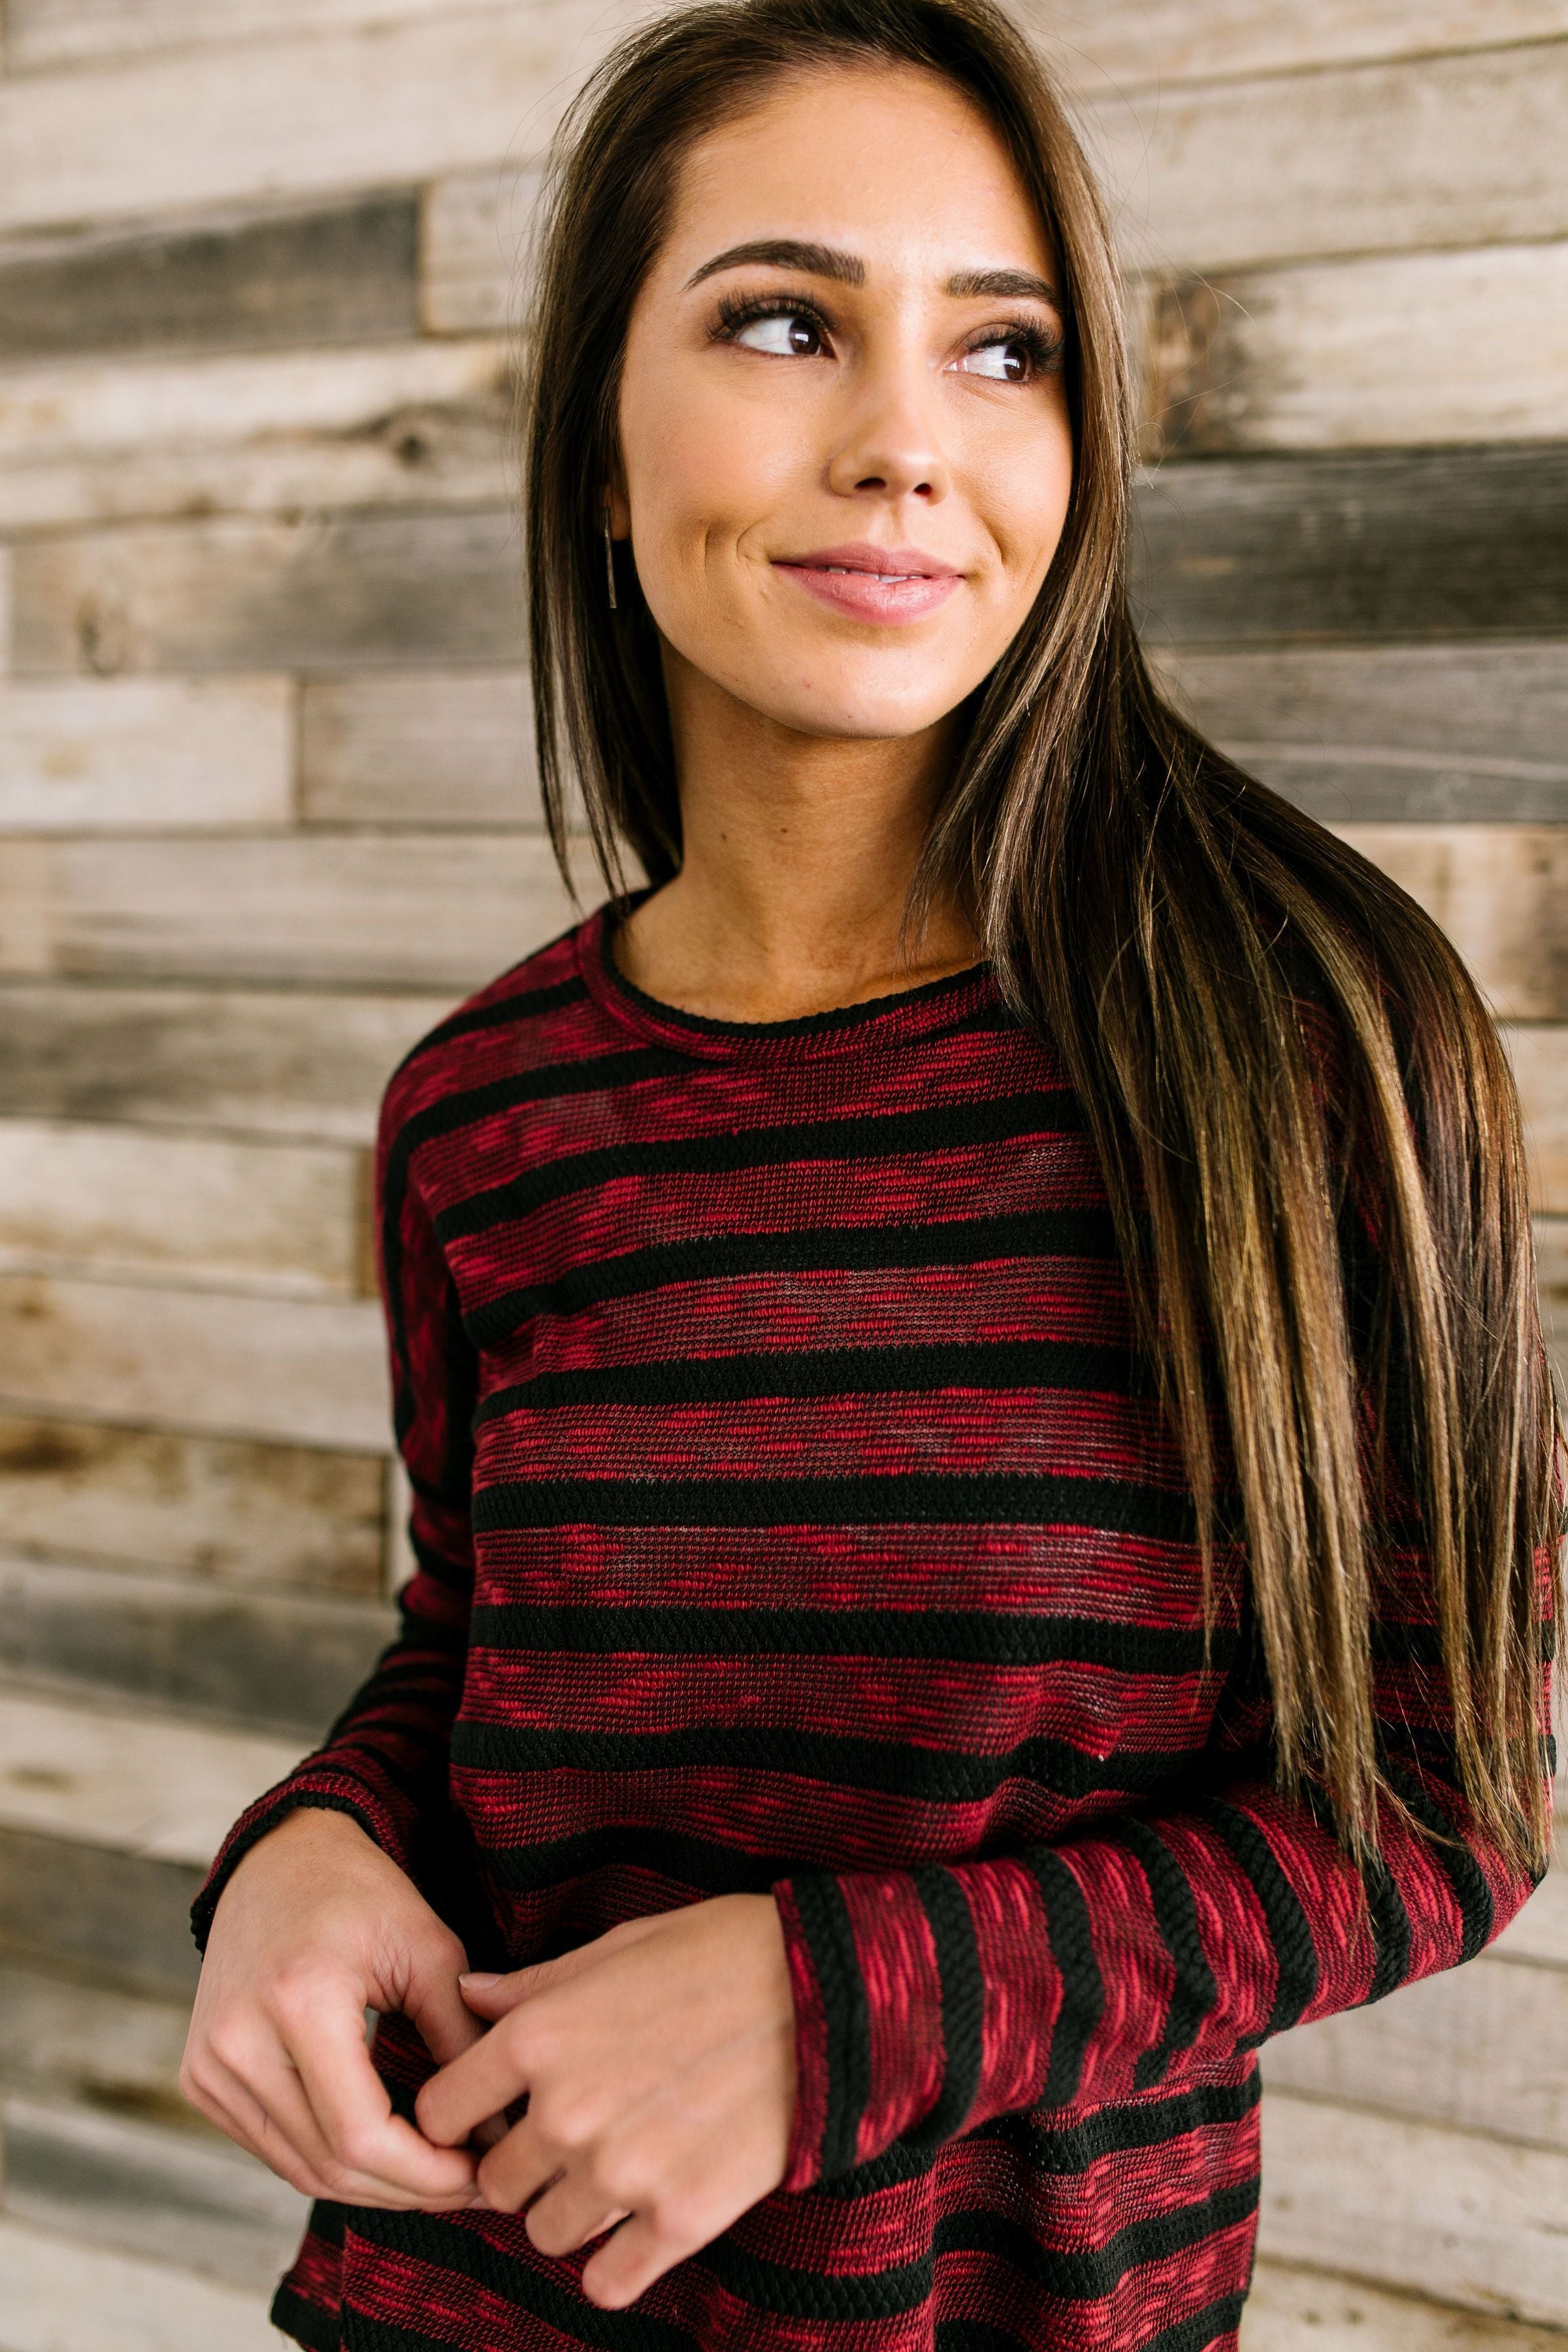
x: 844, y: 429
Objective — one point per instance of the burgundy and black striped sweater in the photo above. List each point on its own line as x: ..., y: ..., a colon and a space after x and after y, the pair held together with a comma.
x: 792, y: 1511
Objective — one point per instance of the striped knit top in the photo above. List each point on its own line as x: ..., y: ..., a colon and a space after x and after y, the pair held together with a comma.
x: 793, y: 1511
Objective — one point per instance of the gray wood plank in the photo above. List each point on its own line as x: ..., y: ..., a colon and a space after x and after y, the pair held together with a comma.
x: 443, y: 748
x: 41, y: 34
x: 1500, y: 893
x: 307, y: 595
x: 1369, y: 159
x: 1294, y: 2310
x: 1391, y: 734
x: 280, y: 1662
x: 69, y: 2039
x: 292, y: 1061
x: 409, y: 910
x: 60, y: 2292
x: 134, y: 754
x: 185, y: 2196
x: 1356, y: 355
x: 1167, y: 41
x: 1424, y: 543
x: 223, y: 1511
x: 123, y: 1917
x: 335, y: 274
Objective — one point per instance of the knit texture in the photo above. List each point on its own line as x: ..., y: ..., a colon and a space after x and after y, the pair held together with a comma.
x: 793, y: 1511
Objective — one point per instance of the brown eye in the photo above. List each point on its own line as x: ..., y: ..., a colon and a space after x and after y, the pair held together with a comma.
x: 1004, y: 362
x: 787, y: 335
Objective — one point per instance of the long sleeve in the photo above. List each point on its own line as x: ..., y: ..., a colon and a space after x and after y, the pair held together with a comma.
x: 385, y: 1761
x: 1151, y: 1951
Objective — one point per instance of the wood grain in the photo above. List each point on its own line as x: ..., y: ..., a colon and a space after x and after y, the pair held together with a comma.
x: 271, y: 1661
x: 1357, y: 355
x: 408, y: 911
x: 474, y: 250
x: 1501, y: 892
x: 44, y: 33
x: 138, y: 755
x: 1482, y: 2048
x: 222, y: 1511
x: 76, y: 1909
x: 1451, y: 2215
x: 349, y: 109
x: 309, y: 1372
x: 297, y: 1061
x: 1381, y: 544
x: 1291, y: 2310
x: 116, y: 441
x: 1373, y: 159
x: 117, y: 2301
x: 337, y: 273
x: 1166, y: 41
x: 304, y: 595
x: 450, y: 749
x: 1540, y: 1059
x: 1552, y: 1270
x: 1389, y: 734
x: 84, y: 2043
x: 117, y: 1200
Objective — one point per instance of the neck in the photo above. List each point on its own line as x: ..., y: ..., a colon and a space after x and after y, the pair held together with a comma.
x: 797, y: 854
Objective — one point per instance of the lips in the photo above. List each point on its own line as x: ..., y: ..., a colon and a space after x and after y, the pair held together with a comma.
x: 867, y: 583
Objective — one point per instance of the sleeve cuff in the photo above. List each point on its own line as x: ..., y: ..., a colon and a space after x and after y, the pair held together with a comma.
x: 329, y: 1791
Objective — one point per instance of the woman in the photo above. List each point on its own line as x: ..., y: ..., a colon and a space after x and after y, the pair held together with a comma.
x: 985, y: 1486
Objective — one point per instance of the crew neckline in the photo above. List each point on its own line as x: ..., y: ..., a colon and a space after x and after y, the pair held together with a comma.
x: 904, y: 1013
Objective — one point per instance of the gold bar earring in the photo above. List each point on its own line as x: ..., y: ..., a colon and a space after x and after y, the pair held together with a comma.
x: 609, y: 559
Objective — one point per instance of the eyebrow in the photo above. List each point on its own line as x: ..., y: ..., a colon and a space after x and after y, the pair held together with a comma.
x: 849, y: 269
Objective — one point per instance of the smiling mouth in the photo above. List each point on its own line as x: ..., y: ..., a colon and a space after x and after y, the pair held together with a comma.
x: 873, y: 583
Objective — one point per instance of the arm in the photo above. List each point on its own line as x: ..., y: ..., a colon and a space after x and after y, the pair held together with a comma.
x: 383, y: 1762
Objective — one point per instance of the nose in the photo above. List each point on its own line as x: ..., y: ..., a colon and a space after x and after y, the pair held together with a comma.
x: 891, y: 445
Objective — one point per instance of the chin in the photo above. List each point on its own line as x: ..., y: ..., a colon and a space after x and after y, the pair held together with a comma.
x: 867, y: 715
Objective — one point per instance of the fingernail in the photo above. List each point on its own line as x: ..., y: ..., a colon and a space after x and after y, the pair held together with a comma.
x: 480, y: 1979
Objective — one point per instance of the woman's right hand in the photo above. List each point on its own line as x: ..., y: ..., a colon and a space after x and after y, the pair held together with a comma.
x: 315, y: 1926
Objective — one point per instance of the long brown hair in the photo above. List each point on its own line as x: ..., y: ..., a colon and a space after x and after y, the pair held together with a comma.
x: 1278, y: 1051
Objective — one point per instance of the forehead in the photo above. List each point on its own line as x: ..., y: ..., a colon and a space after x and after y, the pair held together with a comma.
x: 893, y: 164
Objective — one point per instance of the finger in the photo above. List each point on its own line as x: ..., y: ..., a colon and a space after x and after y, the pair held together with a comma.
x: 481, y: 2084
x: 517, y: 2168
x: 351, y: 2106
x: 265, y: 2138
x: 494, y: 1995
x: 628, y: 2265
x: 434, y: 2004
x: 570, y: 2211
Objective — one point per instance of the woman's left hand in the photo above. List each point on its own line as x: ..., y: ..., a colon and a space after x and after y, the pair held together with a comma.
x: 660, y: 2064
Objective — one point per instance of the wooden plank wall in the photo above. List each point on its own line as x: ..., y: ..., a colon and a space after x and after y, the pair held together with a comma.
x: 267, y: 807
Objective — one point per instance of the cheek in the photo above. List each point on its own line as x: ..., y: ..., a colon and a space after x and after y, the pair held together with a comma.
x: 703, y: 466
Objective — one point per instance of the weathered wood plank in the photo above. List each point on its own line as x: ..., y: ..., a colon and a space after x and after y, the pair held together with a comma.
x: 1357, y: 355
x: 1291, y: 2310
x: 283, y: 1663
x: 40, y: 34
x: 1166, y: 41
x: 1552, y: 1265
x: 302, y: 594
x: 1483, y: 2048
x: 1501, y: 892
x: 56, y: 2291
x: 1391, y: 734
x: 311, y: 1372
x: 115, y: 1201
x: 116, y: 441
x: 293, y: 1062
x: 1373, y: 159
x: 76, y: 2040
x: 342, y: 274
x: 186, y: 2196
x: 411, y: 910
x: 122, y: 1918
x: 435, y: 747
x: 1408, y: 544
x: 350, y: 108
x: 474, y: 250
x: 136, y: 754
x: 1540, y: 1059
x: 223, y: 1511
x: 112, y: 1776
x: 1449, y: 2214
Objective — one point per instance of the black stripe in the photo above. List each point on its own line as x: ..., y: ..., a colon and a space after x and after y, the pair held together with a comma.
x: 1083, y: 1989
x: 927, y: 1498
x: 828, y: 1372
x: 947, y: 1911
x: 896, y: 1767
x: 1390, y: 1927
x: 528, y: 1004
x: 1083, y: 2274
x: 465, y: 2253
x: 726, y: 1150
x: 690, y: 1864
x: 975, y: 1635
x: 1290, y: 1932
x: 1196, y: 2333
x: 820, y: 1249
x: 307, y: 2323
x: 1478, y: 1912
x: 1194, y: 1993
x: 830, y: 1939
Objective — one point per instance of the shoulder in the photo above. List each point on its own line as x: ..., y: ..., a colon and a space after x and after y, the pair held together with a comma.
x: 536, y: 1012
